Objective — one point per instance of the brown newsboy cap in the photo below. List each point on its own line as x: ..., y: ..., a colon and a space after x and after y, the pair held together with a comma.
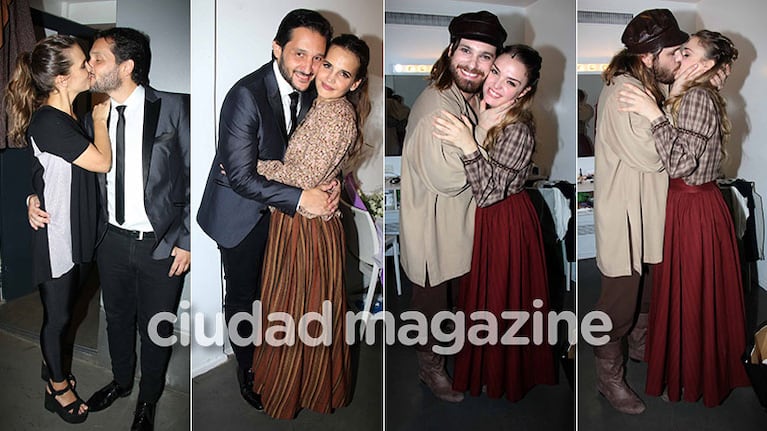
x: 482, y: 26
x: 652, y: 30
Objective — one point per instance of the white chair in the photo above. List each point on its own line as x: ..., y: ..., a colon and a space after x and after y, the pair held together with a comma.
x: 391, y: 231
x: 362, y: 242
x: 392, y: 169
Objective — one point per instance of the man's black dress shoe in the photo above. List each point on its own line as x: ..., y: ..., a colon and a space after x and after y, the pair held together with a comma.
x: 143, y: 417
x: 106, y: 396
x: 246, y: 390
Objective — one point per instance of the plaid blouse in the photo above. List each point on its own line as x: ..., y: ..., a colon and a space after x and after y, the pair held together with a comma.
x: 507, y: 166
x: 691, y: 150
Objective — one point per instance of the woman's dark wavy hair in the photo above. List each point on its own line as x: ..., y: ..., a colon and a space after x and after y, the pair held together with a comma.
x: 33, y: 80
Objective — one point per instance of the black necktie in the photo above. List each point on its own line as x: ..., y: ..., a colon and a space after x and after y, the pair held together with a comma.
x: 293, y: 113
x: 120, y: 167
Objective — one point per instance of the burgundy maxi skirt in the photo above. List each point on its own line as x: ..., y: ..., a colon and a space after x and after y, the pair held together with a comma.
x: 508, y: 272
x: 697, y: 325
x: 303, y: 267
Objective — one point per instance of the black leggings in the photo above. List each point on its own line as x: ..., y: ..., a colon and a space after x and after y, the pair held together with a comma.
x: 58, y: 296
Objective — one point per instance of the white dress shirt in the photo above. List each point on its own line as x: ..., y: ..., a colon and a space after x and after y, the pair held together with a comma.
x: 285, y: 90
x: 135, y: 214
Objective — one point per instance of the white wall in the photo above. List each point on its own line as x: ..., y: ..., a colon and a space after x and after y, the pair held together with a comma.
x: 742, y: 21
x: 549, y: 28
x: 97, y: 12
x: 167, y: 24
x: 453, y: 7
x: 206, y: 280
x: 84, y: 12
x: 231, y: 39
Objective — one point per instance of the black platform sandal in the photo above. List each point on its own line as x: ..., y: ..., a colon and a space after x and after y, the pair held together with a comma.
x: 45, y: 375
x: 70, y: 413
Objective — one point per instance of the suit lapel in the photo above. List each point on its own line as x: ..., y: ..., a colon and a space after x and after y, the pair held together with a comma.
x: 275, y: 101
x: 151, y: 117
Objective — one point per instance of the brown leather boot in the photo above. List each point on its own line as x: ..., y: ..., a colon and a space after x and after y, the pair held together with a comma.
x: 431, y: 371
x: 637, y: 338
x: 610, y: 382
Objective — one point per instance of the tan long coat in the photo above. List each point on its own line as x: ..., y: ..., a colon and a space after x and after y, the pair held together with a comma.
x: 437, y: 207
x: 629, y: 190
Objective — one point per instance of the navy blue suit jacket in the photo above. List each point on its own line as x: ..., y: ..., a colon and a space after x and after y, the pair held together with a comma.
x: 165, y: 168
x: 251, y: 127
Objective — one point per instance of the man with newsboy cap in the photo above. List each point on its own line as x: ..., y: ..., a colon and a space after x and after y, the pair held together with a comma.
x: 630, y: 196
x: 437, y: 207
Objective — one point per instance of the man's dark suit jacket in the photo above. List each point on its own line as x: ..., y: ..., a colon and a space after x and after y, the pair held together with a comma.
x: 165, y: 166
x: 251, y: 127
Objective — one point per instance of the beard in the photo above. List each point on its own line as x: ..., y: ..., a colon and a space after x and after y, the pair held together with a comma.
x: 288, y: 74
x: 284, y: 70
x: 466, y: 85
x: 107, y: 82
x: 662, y: 75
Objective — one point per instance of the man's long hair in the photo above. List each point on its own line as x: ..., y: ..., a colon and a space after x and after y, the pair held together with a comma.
x: 441, y: 77
x: 631, y: 64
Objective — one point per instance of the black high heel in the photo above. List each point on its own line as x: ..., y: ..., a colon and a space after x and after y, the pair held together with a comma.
x: 45, y: 375
x: 70, y: 413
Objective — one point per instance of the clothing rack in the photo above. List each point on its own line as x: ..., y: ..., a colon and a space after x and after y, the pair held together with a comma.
x: 556, y: 216
x: 748, y: 220
x: 747, y: 215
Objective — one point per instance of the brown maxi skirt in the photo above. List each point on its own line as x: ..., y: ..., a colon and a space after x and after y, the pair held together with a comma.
x: 303, y: 267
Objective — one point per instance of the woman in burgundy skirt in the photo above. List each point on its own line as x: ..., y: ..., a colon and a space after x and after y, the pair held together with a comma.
x: 697, y: 324
x: 508, y: 270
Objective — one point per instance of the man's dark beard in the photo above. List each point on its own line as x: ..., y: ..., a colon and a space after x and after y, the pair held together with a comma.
x: 662, y: 76
x: 285, y: 73
x: 464, y: 84
x: 283, y: 70
x: 107, y: 83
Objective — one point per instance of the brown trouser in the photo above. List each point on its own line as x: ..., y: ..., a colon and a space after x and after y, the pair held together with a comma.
x: 430, y: 300
x: 622, y: 298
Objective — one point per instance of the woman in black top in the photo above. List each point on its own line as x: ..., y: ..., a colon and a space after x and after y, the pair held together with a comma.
x: 39, y: 105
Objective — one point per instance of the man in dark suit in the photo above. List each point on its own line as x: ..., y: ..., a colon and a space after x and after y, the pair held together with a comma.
x: 143, y: 250
x: 257, y: 117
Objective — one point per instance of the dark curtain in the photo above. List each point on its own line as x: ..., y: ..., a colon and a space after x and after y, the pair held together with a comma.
x: 18, y: 36
x: 15, y: 235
